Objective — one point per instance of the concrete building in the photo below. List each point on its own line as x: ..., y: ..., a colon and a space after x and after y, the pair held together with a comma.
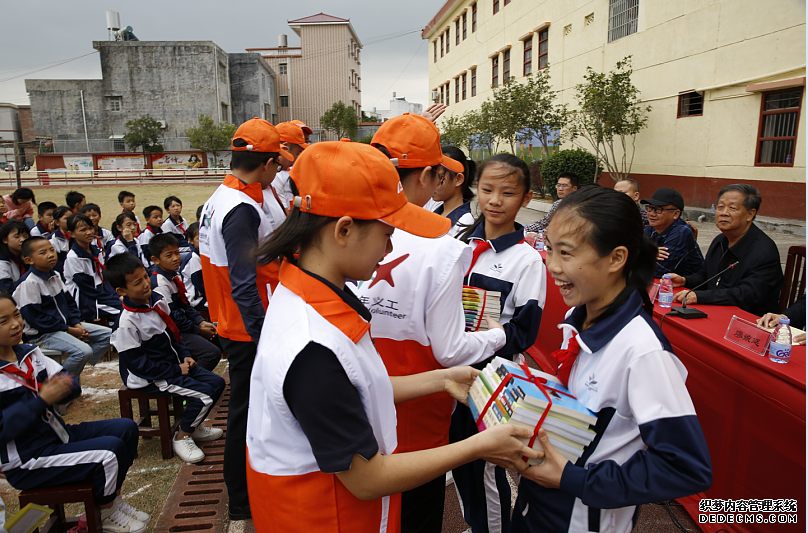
x: 10, y: 130
x: 322, y: 71
x: 398, y: 106
x: 725, y: 78
x: 173, y: 82
x: 252, y: 88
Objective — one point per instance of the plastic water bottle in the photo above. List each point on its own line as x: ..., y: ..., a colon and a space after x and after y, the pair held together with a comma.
x: 780, y: 347
x: 712, y: 209
x: 540, y: 241
x: 665, y: 295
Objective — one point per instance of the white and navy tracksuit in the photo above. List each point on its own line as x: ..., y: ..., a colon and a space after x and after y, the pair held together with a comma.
x: 194, y: 283
x: 418, y: 325
x: 40, y: 231
x: 122, y: 246
x: 649, y: 445
x: 180, y: 231
x: 143, y: 243
x: 102, y: 239
x: 150, y: 358
x: 459, y: 218
x: 515, y: 270
x: 11, y: 268
x: 187, y: 319
x: 84, y: 280
x: 32, y: 455
x: 61, y: 244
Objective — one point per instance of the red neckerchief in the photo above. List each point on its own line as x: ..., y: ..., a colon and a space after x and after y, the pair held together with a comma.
x: 180, y: 289
x: 566, y: 358
x: 179, y: 226
x: 99, y: 266
x: 26, y: 379
x: 98, y: 241
x: 165, y: 316
x: 20, y: 265
x: 478, y: 250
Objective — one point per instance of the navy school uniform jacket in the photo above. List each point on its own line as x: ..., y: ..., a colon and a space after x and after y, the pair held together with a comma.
x: 516, y: 270
x: 40, y: 231
x: 179, y: 230
x: 45, y: 303
x: 121, y: 246
x: 103, y: 238
x: 186, y: 317
x: 61, y: 244
x: 23, y: 430
x: 11, y: 269
x: 143, y: 241
x: 192, y: 277
x: 93, y: 296
x: 649, y: 445
x: 146, y: 347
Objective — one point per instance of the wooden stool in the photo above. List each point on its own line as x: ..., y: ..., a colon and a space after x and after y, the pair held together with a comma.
x: 164, y: 410
x: 56, y: 498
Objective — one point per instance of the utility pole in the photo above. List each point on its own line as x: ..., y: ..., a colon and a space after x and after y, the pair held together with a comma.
x: 17, y: 162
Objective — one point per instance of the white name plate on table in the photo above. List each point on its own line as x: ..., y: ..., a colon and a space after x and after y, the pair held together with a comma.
x: 748, y: 335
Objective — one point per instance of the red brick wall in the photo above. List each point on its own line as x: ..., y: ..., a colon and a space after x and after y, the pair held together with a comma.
x: 27, y: 127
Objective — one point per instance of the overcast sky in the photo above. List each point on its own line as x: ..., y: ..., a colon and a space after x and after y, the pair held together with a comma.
x: 39, y: 33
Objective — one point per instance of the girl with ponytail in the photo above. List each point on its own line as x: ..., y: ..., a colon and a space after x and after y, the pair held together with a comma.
x: 649, y: 445
x: 454, y: 190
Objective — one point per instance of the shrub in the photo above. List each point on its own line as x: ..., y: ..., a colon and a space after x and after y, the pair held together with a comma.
x: 578, y: 161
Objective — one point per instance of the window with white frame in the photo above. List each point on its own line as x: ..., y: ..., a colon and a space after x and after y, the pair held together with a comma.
x: 622, y: 18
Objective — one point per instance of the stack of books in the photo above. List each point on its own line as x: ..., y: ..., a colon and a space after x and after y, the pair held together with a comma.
x: 476, y: 304
x: 522, y: 403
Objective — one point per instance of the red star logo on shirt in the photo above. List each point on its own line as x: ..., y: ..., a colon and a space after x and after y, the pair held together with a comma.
x: 385, y: 271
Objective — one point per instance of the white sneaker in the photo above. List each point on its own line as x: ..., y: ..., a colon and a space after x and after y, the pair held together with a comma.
x: 115, y: 520
x: 205, y: 433
x: 187, y: 450
x: 138, y: 515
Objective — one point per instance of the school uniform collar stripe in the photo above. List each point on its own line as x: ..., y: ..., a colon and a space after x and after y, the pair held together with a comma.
x: 597, y: 336
x: 500, y: 243
x: 153, y: 299
x: 253, y: 190
x: 169, y: 275
x: 58, y: 233
x: 42, y: 275
x: 340, y: 307
x: 81, y: 252
x: 21, y: 351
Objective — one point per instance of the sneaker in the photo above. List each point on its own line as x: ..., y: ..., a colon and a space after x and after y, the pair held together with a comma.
x: 205, y: 433
x: 138, y: 515
x: 115, y: 520
x: 187, y: 449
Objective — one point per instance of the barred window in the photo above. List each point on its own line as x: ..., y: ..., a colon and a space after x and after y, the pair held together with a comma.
x: 777, y: 136
x: 690, y: 104
x: 528, y: 57
x: 622, y: 18
x: 506, y: 66
x: 543, y: 35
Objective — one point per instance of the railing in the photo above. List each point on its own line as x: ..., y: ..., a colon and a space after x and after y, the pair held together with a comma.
x: 110, y: 177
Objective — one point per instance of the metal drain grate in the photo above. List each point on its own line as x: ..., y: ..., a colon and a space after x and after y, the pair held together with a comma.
x: 198, y: 498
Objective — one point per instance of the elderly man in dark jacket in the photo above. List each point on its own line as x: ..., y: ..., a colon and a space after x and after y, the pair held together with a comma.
x: 754, y: 284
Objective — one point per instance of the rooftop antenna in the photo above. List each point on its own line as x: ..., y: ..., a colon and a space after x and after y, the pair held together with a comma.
x: 113, y: 24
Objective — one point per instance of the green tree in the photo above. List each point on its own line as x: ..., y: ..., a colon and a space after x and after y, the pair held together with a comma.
x: 508, y: 108
x: 455, y: 130
x: 144, y: 133
x: 483, y: 125
x: 610, y: 115
x: 370, y: 118
x: 542, y: 118
x: 211, y: 137
x: 341, y: 120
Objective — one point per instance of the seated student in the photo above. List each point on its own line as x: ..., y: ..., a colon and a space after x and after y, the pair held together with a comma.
x: 175, y: 223
x: 154, y: 221
x: 755, y: 283
x: 127, y: 201
x: 165, y: 281
x: 102, y: 235
x: 84, y: 273
x: 12, y: 235
x: 60, y: 238
x: 125, y: 230
x: 155, y: 360
x: 567, y: 183
x: 199, y: 214
x: 678, y: 250
x: 19, y: 206
x: 44, y: 227
x: 192, y: 273
x: 52, y: 319
x: 47, y: 451
x: 75, y: 200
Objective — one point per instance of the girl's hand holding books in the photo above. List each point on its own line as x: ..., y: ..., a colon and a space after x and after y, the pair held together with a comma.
x: 501, y: 446
x: 458, y: 381
x: 548, y: 473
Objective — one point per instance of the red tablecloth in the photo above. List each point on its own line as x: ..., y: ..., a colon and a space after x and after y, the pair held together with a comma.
x: 752, y: 410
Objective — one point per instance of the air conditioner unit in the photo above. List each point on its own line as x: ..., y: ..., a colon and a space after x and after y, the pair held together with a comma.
x: 435, y: 96
x: 162, y: 124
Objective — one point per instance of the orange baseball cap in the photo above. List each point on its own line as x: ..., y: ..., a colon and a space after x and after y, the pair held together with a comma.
x: 342, y: 178
x: 258, y: 135
x: 291, y: 133
x: 302, y: 126
x: 413, y: 142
